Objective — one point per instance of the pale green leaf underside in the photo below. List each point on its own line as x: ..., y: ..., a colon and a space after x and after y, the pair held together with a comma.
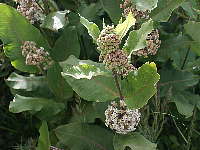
x: 137, y: 38
x: 92, y: 28
x: 144, y: 5
x: 122, y: 29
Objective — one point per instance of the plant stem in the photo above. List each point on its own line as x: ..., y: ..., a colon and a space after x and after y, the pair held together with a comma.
x: 185, y: 59
x: 117, y: 85
x: 191, y: 129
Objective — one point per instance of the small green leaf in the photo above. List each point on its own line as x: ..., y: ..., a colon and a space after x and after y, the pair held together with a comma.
x: 66, y: 45
x: 41, y: 107
x: 55, y: 20
x: 29, y: 86
x: 135, y: 141
x: 44, y: 141
x: 84, y: 137
x: 92, y: 28
x: 122, y: 29
x: 57, y: 83
x: 89, y: 79
x: 164, y: 9
x: 140, y: 86
x: 137, y: 38
x: 14, y: 30
x: 144, y: 5
x: 185, y: 102
x: 112, y: 7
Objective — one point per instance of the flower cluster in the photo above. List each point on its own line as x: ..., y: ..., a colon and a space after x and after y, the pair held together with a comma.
x: 33, y: 54
x: 117, y: 61
x: 153, y: 43
x: 121, y: 119
x: 111, y: 55
x: 30, y: 9
x: 128, y: 7
x: 108, y: 40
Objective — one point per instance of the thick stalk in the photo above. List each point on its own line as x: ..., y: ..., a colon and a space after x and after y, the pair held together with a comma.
x: 115, y: 76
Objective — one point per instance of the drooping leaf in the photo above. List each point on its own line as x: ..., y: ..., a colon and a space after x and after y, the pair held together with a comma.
x: 185, y: 102
x: 43, y: 108
x: 164, y: 9
x: 192, y: 28
x: 14, y: 30
x: 92, y: 28
x: 29, y: 86
x: 144, y: 5
x: 135, y: 141
x: 44, y: 141
x: 90, y: 80
x: 79, y: 69
x: 137, y: 38
x: 112, y: 7
x: 82, y: 136
x: 66, y: 45
x: 122, y: 29
x: 140, y: 86
x: 55, y: 20
x: 57, y: 83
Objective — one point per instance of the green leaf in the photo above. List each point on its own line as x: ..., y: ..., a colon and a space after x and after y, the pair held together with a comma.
x: 57, y: 83
x: 140, y: 86
x: 55, y: 20
x: 41, y: 107
x: 78, y: 136
x: 87, y: 112
x: 177, y: 80
x: 44, y: 141
x: 112, y: 7
x: 144, y: 5
x: 66, y: 45
x: 14, y: 30
x: 90, y: 80
x: 185, y: 102
x: 137, y: 38
x: 92, y: 28
x: 122, y: 29
x: 29, y: 86
x: 164, y: 9
x: 192, y: 28
x: 135, y: 141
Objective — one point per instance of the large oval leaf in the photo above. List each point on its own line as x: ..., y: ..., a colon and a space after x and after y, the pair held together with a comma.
x: 139, y: 87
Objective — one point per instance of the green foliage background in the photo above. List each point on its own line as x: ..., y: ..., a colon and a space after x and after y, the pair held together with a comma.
x: 59, y: 110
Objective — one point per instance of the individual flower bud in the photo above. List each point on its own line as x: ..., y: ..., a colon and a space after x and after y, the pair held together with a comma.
x: 117, y: 61
x: 153, y: 43
x: 128, y: 7
x: 34, y: 55
x: 121, y: 119
x: 30, y: 9
x: 108, y: 40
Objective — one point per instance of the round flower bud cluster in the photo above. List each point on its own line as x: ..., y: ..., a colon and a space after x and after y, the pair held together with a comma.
x: 153, y: 43
x: 33, y: 54
x: 121, y: 119
x: 108, y: 40
x: 30, y: 9
x: 128, y: 7
x: 117, y: 61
